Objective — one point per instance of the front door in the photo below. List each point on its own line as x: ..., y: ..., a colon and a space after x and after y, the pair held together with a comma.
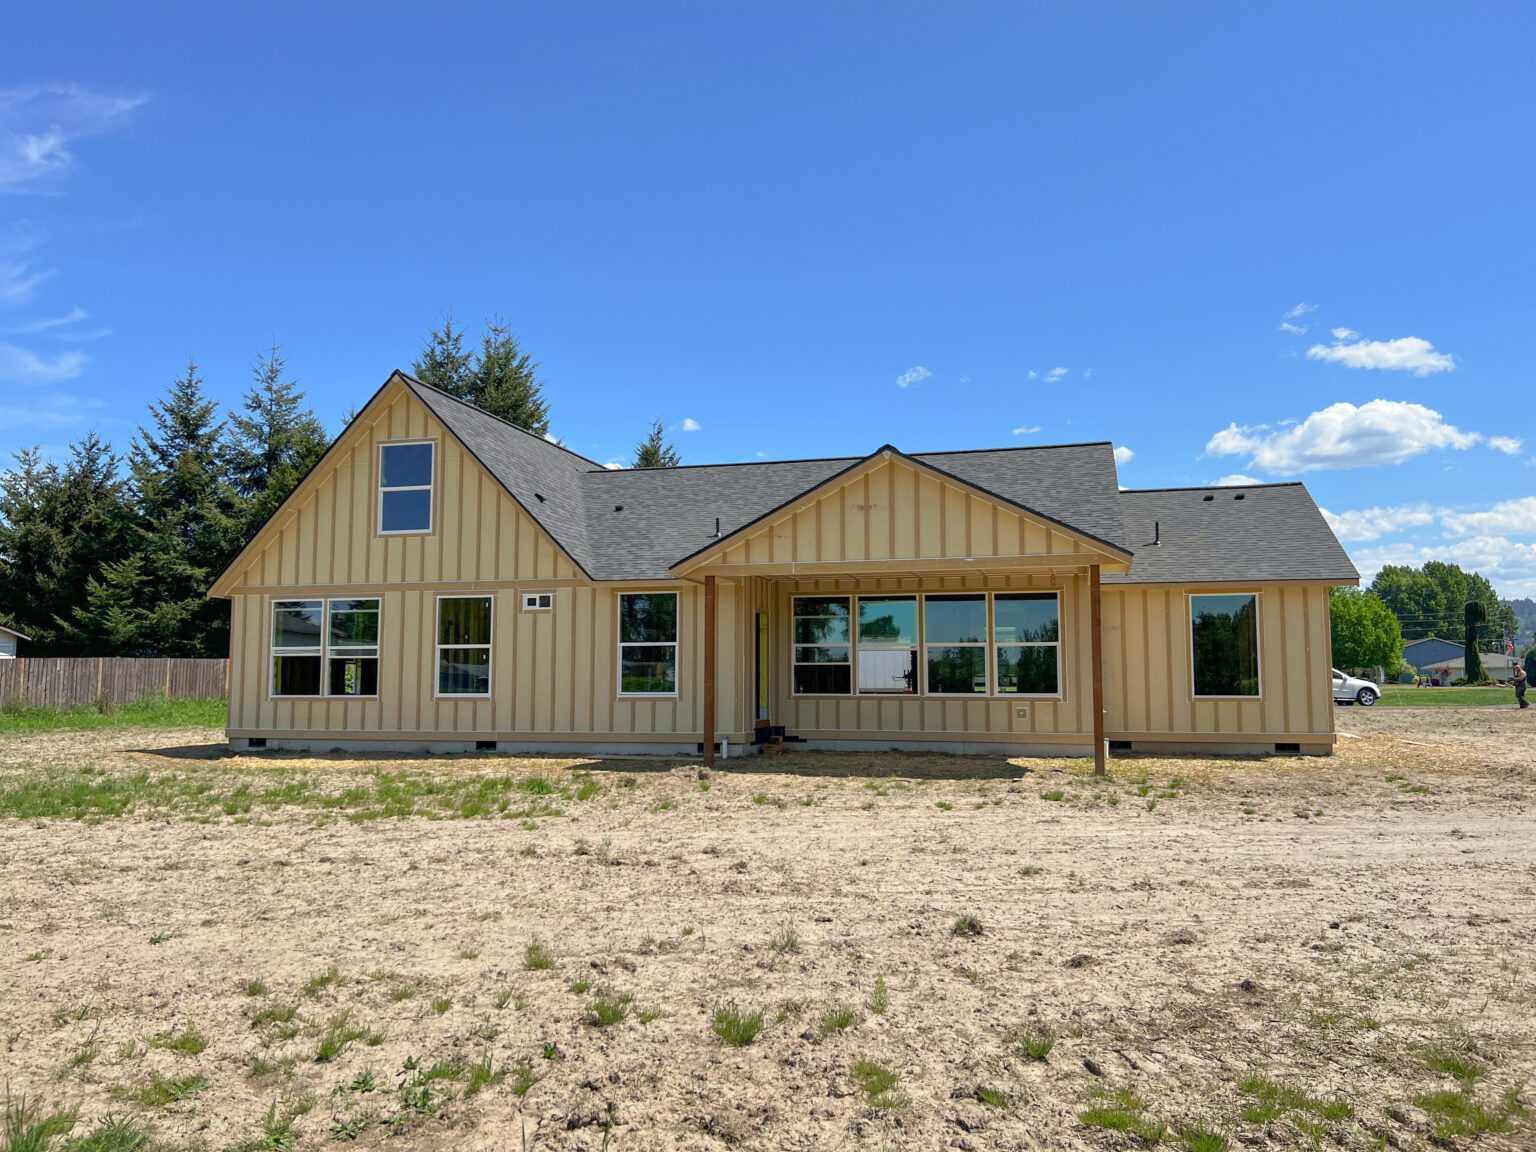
x: 760, y: 664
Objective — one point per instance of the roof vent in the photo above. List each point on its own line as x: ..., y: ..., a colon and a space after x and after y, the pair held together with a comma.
x: 1157, y: 533
x: 538, y: 497
x: 1208, y: 499
x: 1239, y: 496
x: 618, y: 507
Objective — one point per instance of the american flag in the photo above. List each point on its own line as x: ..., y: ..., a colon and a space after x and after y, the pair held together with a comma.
x: 1509, y: 646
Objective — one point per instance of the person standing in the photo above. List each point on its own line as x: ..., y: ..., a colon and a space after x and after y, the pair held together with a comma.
x: 1520, y: 682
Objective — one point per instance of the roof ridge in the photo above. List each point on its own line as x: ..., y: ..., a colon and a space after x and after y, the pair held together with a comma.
x: 1216, y: 487
x: 867, y: 455
x: 491, y: 415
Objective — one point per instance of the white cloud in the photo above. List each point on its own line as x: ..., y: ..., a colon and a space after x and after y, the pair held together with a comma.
x: 1300, y: 310
x: 74, y: 316
x: 1087, y: 373
x: 1406, y: 354
x: 21, y: 366
x: 1024, y: 430
x: 1293, y: 329
x: 690, y: 424
x: 1509, y: 445
x: 912, y: 376
x: 1123, y: 455
x: 38, y: 125
x: 1343, y: 436
x: 614, y: 465
x: 1031, y: 374
x: 48, y: 410
x: 1055, y: 375
x: 1373, y: 523
x: 1509, y: 564
x: 1507, y: 518
x: 1236, y: 480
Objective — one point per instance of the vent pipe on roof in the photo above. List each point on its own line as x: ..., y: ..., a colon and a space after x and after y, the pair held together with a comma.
x: 716, y: 535
x: 1157, y: 533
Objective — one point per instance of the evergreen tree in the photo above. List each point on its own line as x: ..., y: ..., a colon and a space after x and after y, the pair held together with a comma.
x: 505, y: 381
x: 59, y: 527
x: 1476, y: 613
x: 444, y: 364
x: 655, y: 452
x: 275, y: 440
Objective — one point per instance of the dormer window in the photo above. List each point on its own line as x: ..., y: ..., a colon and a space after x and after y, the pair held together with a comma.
x: 405, y: 487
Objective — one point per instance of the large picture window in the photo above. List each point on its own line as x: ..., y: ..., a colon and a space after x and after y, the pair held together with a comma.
x: 1224, y: 644
x: 325, y: 648
x: 405, y: 487
x: 955, y: 644
x: 887, y: 657
x: 1026, y: 627
x: 464, y: 645
x: 822, y: 657
x: 648, y: 643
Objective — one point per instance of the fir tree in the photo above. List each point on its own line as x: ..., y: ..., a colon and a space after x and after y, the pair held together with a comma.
x: 655, y: 451
x: 505, y: 381
x: 275, y: 440
x: 443, y: 363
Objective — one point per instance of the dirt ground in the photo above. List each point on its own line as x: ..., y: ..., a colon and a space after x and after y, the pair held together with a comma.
x: 1187, y: 932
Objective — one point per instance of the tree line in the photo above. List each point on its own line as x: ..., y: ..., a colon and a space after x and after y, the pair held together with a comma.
x: 103, y: 554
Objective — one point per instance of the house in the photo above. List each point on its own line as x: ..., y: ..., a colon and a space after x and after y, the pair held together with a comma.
x: 442, y: 580
x: 1496, y: 666
x: 8, y: 638
x: 1430, y: 653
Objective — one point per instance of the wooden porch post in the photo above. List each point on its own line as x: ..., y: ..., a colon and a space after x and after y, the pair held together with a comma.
x: 709, y: 670
x: 1095, y: 609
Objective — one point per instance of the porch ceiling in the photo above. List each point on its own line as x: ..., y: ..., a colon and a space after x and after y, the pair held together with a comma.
x: 915, y: 566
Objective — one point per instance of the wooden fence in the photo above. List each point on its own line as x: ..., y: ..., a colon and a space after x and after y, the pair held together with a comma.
x: 60, y: 682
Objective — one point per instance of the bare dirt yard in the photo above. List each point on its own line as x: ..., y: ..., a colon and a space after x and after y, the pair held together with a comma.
x: 808, y: 952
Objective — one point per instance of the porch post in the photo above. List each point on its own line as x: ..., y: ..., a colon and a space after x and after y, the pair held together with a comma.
x: 709, y: 670
x: 1096, y: 640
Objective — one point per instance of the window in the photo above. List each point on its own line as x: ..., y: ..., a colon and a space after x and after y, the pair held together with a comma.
x: 1224, y: 642
x: 464, y: 645
x: 325, y: 648
x: 538, y: 601
x: 1026, y: 627
x: 648, y: 643
x: 405, y: 487
x: 955, y: 644
x: 822, y: 665
x: 352, y: 637
x: 888, y: 645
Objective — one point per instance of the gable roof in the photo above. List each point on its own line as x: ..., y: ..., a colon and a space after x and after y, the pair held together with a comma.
x: 13, y: 632
x: 1252, y: 532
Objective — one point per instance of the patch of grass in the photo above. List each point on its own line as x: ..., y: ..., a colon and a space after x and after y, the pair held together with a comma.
x: 469, y: 953
x: 254, y: 988
x: 1459, y: 1113
x: 403, y: 992
x: 666, y: 805
x: 482, y: 1074
x: 1120, y: 1111
x: 1453, y: 1064
x: 442, y: 1004
x: 944, y: 806
x: 188, y: 1043
x: 1202, y: 1139
x: 1034, y: 1043
x: 992, y: 1097
x: 274, y: 1014
x: 1272, y: 1100
x: 150, y: 712
x: 648, y: 1015
x: 1055, y: 796
x: 523, y: 1078
x: 538, y: 957
x: 734, y: 1027
x: 25, y: 1127
x: 580, y: 987
x: 837, y: 1020
x: 966, y: 925
x: 160, y: 1091
x: 878, y: 1083
x: 785, y: 941
x: 880, y: 998
x: 503, y: 998
x: 339, y: 1035
x: 606, y: 1011
x: 321, y: 981
x: 112, y: 1134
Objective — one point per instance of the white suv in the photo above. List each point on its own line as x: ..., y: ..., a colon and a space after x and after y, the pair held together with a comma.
x: 1353, y: 690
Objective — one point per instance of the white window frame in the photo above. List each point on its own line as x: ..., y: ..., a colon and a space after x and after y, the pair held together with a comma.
x: 437, y: 648
x: 995, y: 644
x: 915, y: 645
x: 985, y: 645
x: 530, y: 601
x: 430, y: 489
x: 1258, y: 639
x: 324, y: 650
x: 675, y: 644
x: 849, y: 644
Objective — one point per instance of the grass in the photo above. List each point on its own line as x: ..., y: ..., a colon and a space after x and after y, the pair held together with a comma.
x: 966, y: 925
x: 992, y: 1097
x: 1406, y: 695
x: 160, y: 1091
x: 322, y: 980
x: 188, y: 1043
x: 736, y: 1029
x: 1273, y: 1100
x: 785, y: 941
x: 523, y: 1078
x: 1202, y: 1139
x: 25, y: 1128
x: 1120, y: 1111
x: 538, y: 957
x: 606, y: 1011
x: 878, y: 1083
x: 339, y: 1035
x: 482, y: 1074
x: 254, y: 988
x: 837, y: 1020
x: 1459, y: 1113
x: 150, y: 712
x: 1034, y: 1043
x: 880, y: 998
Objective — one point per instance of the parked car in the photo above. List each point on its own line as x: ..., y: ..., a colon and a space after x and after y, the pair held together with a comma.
x: 1353, y: 690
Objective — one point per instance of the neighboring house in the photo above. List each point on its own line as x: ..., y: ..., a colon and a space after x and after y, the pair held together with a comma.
x: 443, y: 580
x: 1496, y: 666
x: 8, y: 638
x: 1425, y: 655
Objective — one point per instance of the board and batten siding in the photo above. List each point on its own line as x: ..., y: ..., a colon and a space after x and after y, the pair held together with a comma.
x: 1148, y: 688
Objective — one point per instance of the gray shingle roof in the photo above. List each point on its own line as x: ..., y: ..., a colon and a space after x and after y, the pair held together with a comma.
x: 635, y: 524
x: 1258, y: 532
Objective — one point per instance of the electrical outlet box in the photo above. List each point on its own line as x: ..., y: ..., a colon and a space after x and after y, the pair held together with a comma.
x: 1021, y: 711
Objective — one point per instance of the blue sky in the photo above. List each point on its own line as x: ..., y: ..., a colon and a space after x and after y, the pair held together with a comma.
x: 1278, y: 241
